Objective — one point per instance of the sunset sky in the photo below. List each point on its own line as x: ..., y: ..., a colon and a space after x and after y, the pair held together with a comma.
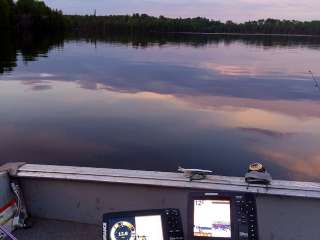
x: 236, y: 10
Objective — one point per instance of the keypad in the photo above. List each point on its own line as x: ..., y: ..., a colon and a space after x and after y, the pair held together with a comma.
x: 175, y: 230
x: 246, y: 217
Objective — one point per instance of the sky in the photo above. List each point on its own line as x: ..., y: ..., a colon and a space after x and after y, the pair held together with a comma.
x: 223, y: 10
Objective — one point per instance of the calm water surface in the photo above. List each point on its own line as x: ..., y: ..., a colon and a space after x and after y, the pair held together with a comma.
x: 217, y: 104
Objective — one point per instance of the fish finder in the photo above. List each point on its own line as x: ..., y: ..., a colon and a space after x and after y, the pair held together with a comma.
x: 164, y: 224
x: 222, y: 216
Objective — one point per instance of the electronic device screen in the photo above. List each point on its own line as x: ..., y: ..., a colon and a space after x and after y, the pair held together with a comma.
x: 162, y: 224
x: 136, y: 228
x: 212, y: 218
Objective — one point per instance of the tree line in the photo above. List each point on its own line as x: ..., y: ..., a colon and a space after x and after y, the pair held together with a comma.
x: 33, y: 15
x: 30, y: 16
x: 144, y: 23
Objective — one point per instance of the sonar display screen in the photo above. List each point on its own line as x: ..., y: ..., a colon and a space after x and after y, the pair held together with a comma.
x: 136, y: 228
x: 212, y: 218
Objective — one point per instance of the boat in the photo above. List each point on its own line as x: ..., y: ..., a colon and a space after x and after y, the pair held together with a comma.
x: 68, y: 202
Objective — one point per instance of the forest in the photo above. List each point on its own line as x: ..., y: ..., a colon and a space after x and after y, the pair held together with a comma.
x: 144, y: 23
x: 30, y: 16
x: 34, y: 16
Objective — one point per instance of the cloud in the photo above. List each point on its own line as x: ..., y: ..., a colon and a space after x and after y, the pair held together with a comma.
x: 41, y: 87
x: 303, y: 165
x: 46, y: 75
x: 34, y: 76
x: 265, y: 132
x: 232, y: 70
x: 298, y: 109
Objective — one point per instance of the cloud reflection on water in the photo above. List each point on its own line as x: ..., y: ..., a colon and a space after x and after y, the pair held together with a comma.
x: 157, y: 108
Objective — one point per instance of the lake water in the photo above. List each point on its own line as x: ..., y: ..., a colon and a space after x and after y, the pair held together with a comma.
x: 211, y: 102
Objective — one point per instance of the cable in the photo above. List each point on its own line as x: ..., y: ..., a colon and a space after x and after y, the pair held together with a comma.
x: 16, y: 191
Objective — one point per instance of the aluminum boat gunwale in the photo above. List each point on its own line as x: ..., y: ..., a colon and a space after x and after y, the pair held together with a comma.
x: 166, y: 179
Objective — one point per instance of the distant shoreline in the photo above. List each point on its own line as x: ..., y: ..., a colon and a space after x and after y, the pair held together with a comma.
x: 245, y: 34
x: 36, y: 17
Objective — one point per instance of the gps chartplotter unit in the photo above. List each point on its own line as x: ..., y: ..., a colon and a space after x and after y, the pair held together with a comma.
x: 222, y: 216
x: 164, y: 224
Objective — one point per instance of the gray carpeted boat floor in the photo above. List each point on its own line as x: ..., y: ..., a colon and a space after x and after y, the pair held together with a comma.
x: 43, y: 229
